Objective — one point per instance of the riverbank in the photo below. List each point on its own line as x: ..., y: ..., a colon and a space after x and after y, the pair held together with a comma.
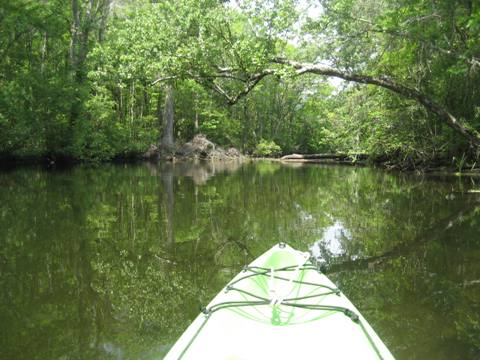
x: 437, y: 166
x: 200, y: 148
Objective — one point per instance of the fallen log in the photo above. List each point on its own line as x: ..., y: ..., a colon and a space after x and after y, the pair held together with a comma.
x: 323, y: 161
x: 326, y: 158
x: 315, y: 156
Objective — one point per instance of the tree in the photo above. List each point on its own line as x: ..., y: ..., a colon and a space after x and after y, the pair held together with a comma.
x: 249, y: 79
x: 87, y: 16
x: 88, y: 78
x: 167, y: 143
x: 386, y: 82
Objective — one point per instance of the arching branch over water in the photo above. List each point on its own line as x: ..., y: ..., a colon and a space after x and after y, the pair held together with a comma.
x: 470, y: 134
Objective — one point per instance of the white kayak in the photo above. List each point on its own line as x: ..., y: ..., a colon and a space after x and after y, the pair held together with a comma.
x: 280, y: 307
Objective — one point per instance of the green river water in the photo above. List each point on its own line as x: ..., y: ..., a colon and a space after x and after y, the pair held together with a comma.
x: 114, y: 262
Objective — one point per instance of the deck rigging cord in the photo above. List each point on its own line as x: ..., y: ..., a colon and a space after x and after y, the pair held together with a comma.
x: 272, y: 274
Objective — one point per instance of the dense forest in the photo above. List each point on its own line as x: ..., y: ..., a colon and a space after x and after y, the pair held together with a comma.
x: 99, y: 79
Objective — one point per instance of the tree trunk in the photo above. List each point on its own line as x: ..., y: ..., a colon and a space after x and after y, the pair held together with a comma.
x: 167, y: 141
x: 87, y: 16
x: 159, y: 111
x: 244, y: 126
x: 75, y: 34
x: 103, y: 21
x: 44, y: 52
x: 196, y: 124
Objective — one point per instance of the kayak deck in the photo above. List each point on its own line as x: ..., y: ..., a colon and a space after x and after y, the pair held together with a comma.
x: 280, y: 307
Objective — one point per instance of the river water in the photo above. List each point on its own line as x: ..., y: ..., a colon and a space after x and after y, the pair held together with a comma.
x: 114, y: 262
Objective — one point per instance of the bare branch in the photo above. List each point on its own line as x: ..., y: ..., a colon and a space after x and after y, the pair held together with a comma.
x: 162, y: 79
x: 222, y: 92
x: 250, y: 84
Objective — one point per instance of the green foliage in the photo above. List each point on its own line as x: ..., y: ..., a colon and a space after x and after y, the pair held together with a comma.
x: 459, y: 163
x: 267, y: 148
x: 98, y: 93
x: 428, y: 48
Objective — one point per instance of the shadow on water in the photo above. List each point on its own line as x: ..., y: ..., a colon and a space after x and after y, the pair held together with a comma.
x: 114, y: 262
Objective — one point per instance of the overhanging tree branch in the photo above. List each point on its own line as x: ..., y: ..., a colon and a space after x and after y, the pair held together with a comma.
x: 470, y: 134
x: 385, y: 82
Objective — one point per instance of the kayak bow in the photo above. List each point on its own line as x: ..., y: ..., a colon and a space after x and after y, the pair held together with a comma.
x: 280, y: 307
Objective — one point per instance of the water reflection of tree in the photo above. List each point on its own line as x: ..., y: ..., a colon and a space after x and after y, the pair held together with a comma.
x: 167, y: 181
x: 448, y: 224
x: 87, y: 287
